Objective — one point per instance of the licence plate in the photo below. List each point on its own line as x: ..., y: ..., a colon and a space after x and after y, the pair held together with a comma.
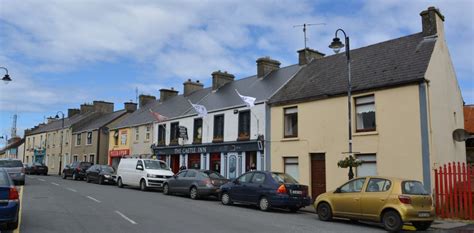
x: 296, y: 192
x: 424, y: 215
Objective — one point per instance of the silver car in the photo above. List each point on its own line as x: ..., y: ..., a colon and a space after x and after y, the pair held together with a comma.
x: 15, y: 169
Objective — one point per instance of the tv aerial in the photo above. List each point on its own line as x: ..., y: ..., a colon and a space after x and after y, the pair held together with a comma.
x: 304, y: 29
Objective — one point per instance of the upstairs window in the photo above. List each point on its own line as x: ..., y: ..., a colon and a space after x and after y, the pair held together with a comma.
x: 161, y: 135
x: 174, y: 133
x: 78, y: 139
x: 89, y: 138
x: 116, y: 137
x: 148, y: 132
x: 197, y: 132
x: 244, y: 125
x: 365, y: 113
x: 137, y: 133
x: 291, y: 122
x: 218, y: 128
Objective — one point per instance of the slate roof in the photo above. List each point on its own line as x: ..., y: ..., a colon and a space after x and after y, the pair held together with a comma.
x: 224, y: 97
x: 57, y: 124
x: 100, y: 120
x: 390, y: 63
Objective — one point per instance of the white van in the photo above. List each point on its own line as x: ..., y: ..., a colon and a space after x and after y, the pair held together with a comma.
x: 143, y: 173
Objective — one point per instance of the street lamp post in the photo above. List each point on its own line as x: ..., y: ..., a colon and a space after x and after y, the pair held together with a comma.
x: 6, y: 79
x: 336, y: 45
x: 61, y: 143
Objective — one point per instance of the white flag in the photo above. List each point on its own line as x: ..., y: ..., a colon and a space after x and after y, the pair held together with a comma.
x: 249, y: 101
x: 200, y: 109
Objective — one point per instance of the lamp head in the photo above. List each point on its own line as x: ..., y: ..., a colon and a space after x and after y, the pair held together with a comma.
x: 336, y: 45
x: 6, y: 79
x: 57, y: 116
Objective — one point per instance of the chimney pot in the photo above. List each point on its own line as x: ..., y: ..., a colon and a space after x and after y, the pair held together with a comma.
x: 265, y: 65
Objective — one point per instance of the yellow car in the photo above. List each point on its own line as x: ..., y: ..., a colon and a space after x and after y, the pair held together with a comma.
x: 391, y: 201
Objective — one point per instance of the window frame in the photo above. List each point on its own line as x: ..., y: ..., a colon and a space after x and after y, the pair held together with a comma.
x: 88, y: 139
x: 241, y: 134
x: 352, y: 181
x: 218, y: 133
x: 195, y: 130
x: 78, y: 139
x: 384, y: 185
x: 162, y: 134
x: 355, y: 113
x: 295, y: 132
x: 174, y: 133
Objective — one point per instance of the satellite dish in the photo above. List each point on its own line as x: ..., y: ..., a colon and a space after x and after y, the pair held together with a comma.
x: 461, y: 135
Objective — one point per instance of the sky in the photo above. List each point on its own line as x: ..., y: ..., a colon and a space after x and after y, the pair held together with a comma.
x: 64, y: 53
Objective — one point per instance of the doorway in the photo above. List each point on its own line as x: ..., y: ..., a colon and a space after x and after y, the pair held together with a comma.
x: 318, y: 174
x: 194, y: 161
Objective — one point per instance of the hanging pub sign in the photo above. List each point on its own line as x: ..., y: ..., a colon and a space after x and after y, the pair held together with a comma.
x: 183, y: 132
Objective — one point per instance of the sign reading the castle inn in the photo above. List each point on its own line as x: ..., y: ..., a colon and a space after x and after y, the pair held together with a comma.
x: 209, y: 148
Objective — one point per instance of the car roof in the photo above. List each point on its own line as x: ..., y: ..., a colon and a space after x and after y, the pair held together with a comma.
x: 388, y: 178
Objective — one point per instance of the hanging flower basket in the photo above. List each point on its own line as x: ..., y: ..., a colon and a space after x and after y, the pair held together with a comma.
x: 349, y: 161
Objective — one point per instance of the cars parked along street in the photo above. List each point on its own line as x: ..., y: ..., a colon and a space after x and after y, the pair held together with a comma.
x: 76, y: 170
x: 9, y: 201
x: 36, y: 169
x: 391, y: 201
x: 101, y: 174
x: 195, y: 183
x: 15, y: 169
x: 266, y: 190
x: 143, y: 173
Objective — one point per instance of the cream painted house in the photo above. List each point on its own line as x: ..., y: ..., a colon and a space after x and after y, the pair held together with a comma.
x: 406, y: 103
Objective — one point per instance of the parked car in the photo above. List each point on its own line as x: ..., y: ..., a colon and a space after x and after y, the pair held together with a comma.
x: 15, y: 169
x: 143, y: 173
x: 9, y: 201
x: 37, y: 169
x: 266, y: 190
x: 76, y: 170
x: 101, y: 173
x: 391, y: 201
x: 195, y: 183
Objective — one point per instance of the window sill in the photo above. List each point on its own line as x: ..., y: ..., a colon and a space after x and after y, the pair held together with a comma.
x: 365, y: 133
x: 289, y: 139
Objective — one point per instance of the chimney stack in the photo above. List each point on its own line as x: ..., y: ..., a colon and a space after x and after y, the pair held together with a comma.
x: 85, y: 108
x: 73, y: 111
x: 266, y: 65
x: 190, y: 87
x: 432, y: 22
x: 130, y: 106
x: 50, y: 119
x: 145, y: 99
x: 103, y: 107
x: 306, y: 55
x: 167, y: 93
x: 220, y: 78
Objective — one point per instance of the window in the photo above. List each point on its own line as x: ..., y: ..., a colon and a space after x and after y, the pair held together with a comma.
x: 244, y: 125
x: 365, y: 113
x: 139, y: 162
x: 54, y: 140
x: 369, y: 165
x: 29, y: 143
x: 378, y: 185
x: 191, y: 173
x: 197, y: 132
x: 181, y: 174
x: 174, y: 133
x: 137, y: 133
x: 161, y: 135
x: 413, y: 188
x: 89, y: 138
x: 116, y: 136
x: 74, y: 158
x: 291, y: 122
x: 78, y: 139
x: 148, y: 132
x: 41, y: 140
x: 66, y: 138
x: 245, y: 178
x: 353, y: 186
x: 123, y: 137
x: 218, y: 128
x: 291, y: 167
x: 91, y: 158
x: 258, y: 178
x: 85, y: 158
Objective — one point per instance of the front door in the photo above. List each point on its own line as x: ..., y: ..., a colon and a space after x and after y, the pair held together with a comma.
x: 194, y: 161
x: 318, y: 175
x: 174, y: 163
x: 215, y: 162
x: 232, y: 166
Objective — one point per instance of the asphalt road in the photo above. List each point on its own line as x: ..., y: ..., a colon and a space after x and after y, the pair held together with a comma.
x: 51, y: 204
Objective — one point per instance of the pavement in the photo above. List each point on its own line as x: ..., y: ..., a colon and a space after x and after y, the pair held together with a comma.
x: 51, y: 204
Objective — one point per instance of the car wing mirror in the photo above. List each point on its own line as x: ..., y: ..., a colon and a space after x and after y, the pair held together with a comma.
x: 338, y: 190
x: 140, y: 167
x: 235, y: 181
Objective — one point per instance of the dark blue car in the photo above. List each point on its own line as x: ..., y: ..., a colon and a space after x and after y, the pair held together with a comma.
x: 266, y: 190
x: 9, y: 201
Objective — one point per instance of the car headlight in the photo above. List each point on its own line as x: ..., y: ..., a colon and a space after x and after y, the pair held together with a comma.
x: 151, y: 176
x: 107, y: 176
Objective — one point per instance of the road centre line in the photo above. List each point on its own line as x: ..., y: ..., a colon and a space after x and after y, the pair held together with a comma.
x: 93, y: 199
x: 41, y: 179
x: 55, y: 183
x: 72, y: 190
x: 125, y: 217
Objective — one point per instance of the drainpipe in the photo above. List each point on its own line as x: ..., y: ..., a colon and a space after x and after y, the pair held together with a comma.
x: 98, y: 146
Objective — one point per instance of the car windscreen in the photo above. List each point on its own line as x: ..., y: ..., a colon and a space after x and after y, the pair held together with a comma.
x: 413, y: 188
x: 154, y: 164
x: 4, y: 181
x: 107, y: 169
x: 283, y: 178
x: 85, y: 164
x: 38, y: 164
x: 11, y: 163
x: 213, y: 175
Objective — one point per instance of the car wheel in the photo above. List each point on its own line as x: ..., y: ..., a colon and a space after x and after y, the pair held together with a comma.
x: 391, y: 221
x: 324, y: 212
x: 74, y: 176
x: 294, y: 209
x: 143, y: 185
x: 12, y: 225
x: 101, y: 180
x: 264, y: 204
x: 225, y: 199
x: 422, y: 226
x: 64, y: 175
x: 166, y: 189
x: 88, y: 180
x: 119, y: 183
x: 193, y: 193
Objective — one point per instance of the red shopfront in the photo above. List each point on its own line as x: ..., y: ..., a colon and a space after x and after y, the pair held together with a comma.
x: 116, y: 155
